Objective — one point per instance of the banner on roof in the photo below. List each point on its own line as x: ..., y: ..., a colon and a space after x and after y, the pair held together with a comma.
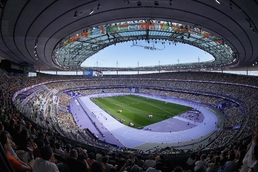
x: 132, y: 27
x: 123, y: 27
x: 164, y: 26
x: 154, y: 26
x: 95, y: 31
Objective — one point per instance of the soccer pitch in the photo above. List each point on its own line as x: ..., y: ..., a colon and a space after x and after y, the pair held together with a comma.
x: 136, y: 109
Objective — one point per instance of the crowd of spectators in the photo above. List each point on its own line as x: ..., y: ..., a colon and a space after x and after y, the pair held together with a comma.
x: 31, y: 143
x: 65, y: 85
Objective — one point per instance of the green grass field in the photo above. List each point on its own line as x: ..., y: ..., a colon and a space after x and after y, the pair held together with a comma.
x: 136, y: 109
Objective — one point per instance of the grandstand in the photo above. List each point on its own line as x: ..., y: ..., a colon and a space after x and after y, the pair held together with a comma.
x: 195, y: 93
x: 198, y: 90
x: 57, y: 111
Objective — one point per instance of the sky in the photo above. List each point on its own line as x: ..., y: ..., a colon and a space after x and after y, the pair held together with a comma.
x: 130, y: 54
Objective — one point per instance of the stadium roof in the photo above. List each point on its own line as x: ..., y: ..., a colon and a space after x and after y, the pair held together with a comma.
x: 60, y: 35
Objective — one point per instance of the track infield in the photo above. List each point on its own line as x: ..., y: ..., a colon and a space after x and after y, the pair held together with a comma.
x: 137, y: 109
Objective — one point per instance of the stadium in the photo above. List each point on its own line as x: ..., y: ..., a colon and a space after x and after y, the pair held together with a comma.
x: 171, y: 112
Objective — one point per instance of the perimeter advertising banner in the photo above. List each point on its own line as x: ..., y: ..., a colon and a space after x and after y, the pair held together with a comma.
x: 88, y: 73
x: 92, y: 73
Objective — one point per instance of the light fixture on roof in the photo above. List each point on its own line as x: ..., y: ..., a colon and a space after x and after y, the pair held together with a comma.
x: 250, y: 25
x: 36, y: 44
x: 75, y: 14
x: 91, y: 12
x: 98, y: 5
x: 217, y: 1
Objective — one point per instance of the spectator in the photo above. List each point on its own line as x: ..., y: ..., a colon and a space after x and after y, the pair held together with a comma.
x: 97, y: 167
x: 42, y: 137
x: 121, y: 164
x: 224, y: 158
x: 230, y: 164
x: 36, y: 152
x: 21, y: 154
x: 58, y: 150
x: 254, y: 166
x: 82, y: 153
x: 106, y: 164
x: 67, y: 150
x: 201, y: 164
x: 178, y: 169
x: 113, y: 169
x: 191, y: 161
x: 15, y: 162
x: 158, y: 168
x: 214, y: 167
x: 99, y: 156
x: 140, y: 161
x: 91, y: 158
x: 1, y: 127
x: 149, y: 162
x: 46, y: 162
x: 249, y: 158
x: 135, y: 168
x: 76, y: 165
x: 112, y: 159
